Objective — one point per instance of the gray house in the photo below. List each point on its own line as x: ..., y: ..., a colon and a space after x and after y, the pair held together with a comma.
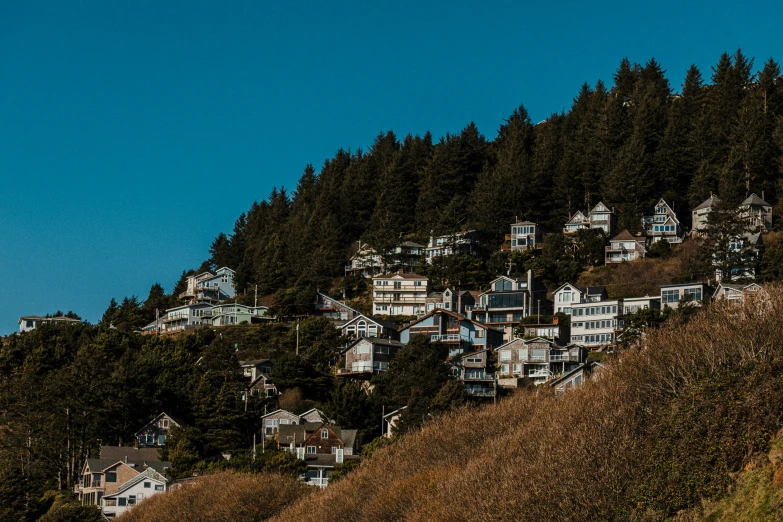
x: 474, y: 371
x: 538, y: 360
x: 368, y: 355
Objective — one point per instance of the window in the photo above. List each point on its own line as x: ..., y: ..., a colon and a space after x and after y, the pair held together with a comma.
x: 131, y: 500
x: 695, y: 293
x: 504, y: 369
x: 505, y: 355
x: 158, y: 487
x: 311, y: 450
x: 517, y: 368
x: 523, y: 354
x: 670, y: 296
x: 283, y: 421
x: 147, y: 485
x: 161, y: 439
x: 324, y: 434
x: 111, y: 476
x: 122, y: 501
x: 164, y: 423
x: 362, y: 348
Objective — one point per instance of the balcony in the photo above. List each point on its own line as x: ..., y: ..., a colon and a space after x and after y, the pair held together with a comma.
x: 566, y: 358
x: 450, y: 338
x: 401, y: 299
x: 539, y: 374
x: 483, y: 378
x: 486, y: 392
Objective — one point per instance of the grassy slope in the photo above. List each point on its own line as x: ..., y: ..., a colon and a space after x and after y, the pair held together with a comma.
x: 664, y: 430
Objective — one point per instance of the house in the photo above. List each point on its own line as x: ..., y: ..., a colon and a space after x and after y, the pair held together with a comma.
x: 625, y: 247
x: 28, y: 323
x: 600, y: 217
x: 252, y: 370
x: 559, y: 333
x: 368, y: 355
x: 631, y: 305
x: 391, y: 420
x: 116, y: 466
x: 568, y: 294
x: 595, y: 324
x: 457, y: 243
x: 134, y: 491
x: 661, y: 223
x: 576, y: 377
x: 368, y: 263
x: 274, y: 420
x: 757, y: 213
x: 331, y: 308
x: 671, y: 294
x: 187, y: 317
x: 735, y: 293
x: 321, y: 446
x: 525, y: 235
x: 154, y: 433
x: 700, y: 214
x: 474, y: 371
x: 400, y: 294
x: 261, y: 386
x: 508, y: 300
x: 367, y: 326
x: 228, y: 314
x: 365, y: 262
x: 407, y: 255
x: 537, y: 360
x: 744, y: 253
x: 458, y: 332
x: 210, y: 287
x: 451, y: 299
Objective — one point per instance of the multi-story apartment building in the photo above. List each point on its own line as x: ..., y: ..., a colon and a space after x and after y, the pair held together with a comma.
x: 661, y: 223
x: 595, y: 324
x: 508, y: 300
x: 525, y: 235
x: 625, y: 247
x: 400, y: 294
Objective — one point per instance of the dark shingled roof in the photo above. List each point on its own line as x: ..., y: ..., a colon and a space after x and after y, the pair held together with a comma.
x: 133, y: 454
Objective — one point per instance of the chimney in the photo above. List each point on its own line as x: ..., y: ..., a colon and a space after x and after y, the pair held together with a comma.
x: 400, y: 271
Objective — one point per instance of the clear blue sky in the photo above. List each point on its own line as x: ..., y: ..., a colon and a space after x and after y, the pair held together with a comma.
x: 132, y: 133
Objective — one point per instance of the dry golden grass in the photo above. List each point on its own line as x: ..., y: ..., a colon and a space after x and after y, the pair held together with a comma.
x: 223, y: 497
x: 545, y: 457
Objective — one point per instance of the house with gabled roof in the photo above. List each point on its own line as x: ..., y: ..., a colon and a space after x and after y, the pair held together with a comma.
x: 451, y: 299
x: 569, y: 294
x: 577, y: 377
x: 474, y: 370
x: 660, y: 223
x: 735, y: 293
x: 458, y: 332
x: 600, y: 217
x: 757, y: 213
x: 368, y: 356
x: 700, y: 214
x: 331, y: 308
x: 368, y: 326
x: 625, y: 247
x: 146, y: 484
x: 187, y: 317
x: 272, y: 421
x: 576, y: 222
x: 463, y: 242
x: 538, y: 360
x: 154, y: 433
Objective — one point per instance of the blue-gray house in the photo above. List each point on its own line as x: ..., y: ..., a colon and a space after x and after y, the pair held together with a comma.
x: 461, y: 334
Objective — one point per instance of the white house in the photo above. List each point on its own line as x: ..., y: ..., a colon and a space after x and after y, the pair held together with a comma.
x: 456, y: 243
x: 631, y: 305
x: 568, y: 295
x: 671, y: 294
x: 141, y: 487
x: 187, y: 317
x: 600, y: 217
x: 400, y: 294
x: 625, y: 247
x: 661, y: 223
x: 29, y: 323
x: 595, y: 324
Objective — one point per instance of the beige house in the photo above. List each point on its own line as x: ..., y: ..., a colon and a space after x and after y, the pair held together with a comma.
x: 400, y: 294
x: 625, y: 247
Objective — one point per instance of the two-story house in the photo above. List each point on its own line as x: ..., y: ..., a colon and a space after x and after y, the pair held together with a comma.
x: 228, y: 314
x: 569, y: 294
x: 368, y: 355
x: 116, y: 466
x: 187, y: 317
x: 400, y: 294
x: 272, y: 421
x: 757, y: 213
x: 508, y: 300
x: 735, y: 293
x: 457, y: 243
x: 525, y: 235
x: 134, y: 491
x: 154, y: 433
x: 365, y: 262
x: 474, y: 371
x: 625, y: 247
x: 210, y: 287
x: 451, y: 299
x: 600, y: 217
x: 455, y: 330
x: 321, y: 446
x: 559, y: 333
x: 671, y: 294
x: 661, y: 223
x: 538, y: 360
x: 596, y: 324
x: 367, y: 326
x: 252, y: 370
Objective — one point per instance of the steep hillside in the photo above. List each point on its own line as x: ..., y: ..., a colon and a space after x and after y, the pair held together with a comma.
x: 665, y: 431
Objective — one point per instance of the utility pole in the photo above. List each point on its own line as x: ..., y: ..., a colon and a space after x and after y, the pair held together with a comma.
x: 255, y: 303
x: 157, y: 322
x: 297, y: 336
x: 383, y: 414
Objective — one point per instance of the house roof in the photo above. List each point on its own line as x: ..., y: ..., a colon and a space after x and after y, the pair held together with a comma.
x: 349, y: 437
x: 683, y: 284
x: 30, y: 318
x: 393, y: 413
x: 708, y: 203
x: 523, y: 223
x: 601, y: 207
x: 448, y: 312
x: 39, y: 318
x: 578, y: 217
x: 97, y: 465
x: 753, y: 199
x: 411, y: 244
x: 253, y: 363
x: 279, y: 410
x: 131, y: 454
x: 374, y: 341
x: 174, y: 419
x: 624, y: 236
x: 338, y: 302
x: 583, y: 366
x: 379, y: 322
x: 401, y: 276
x: 321, y: 460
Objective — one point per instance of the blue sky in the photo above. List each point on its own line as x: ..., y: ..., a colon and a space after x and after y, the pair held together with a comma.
x: 132, y: 133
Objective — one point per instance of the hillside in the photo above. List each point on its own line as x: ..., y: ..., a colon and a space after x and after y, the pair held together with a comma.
x: 665, y: 431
